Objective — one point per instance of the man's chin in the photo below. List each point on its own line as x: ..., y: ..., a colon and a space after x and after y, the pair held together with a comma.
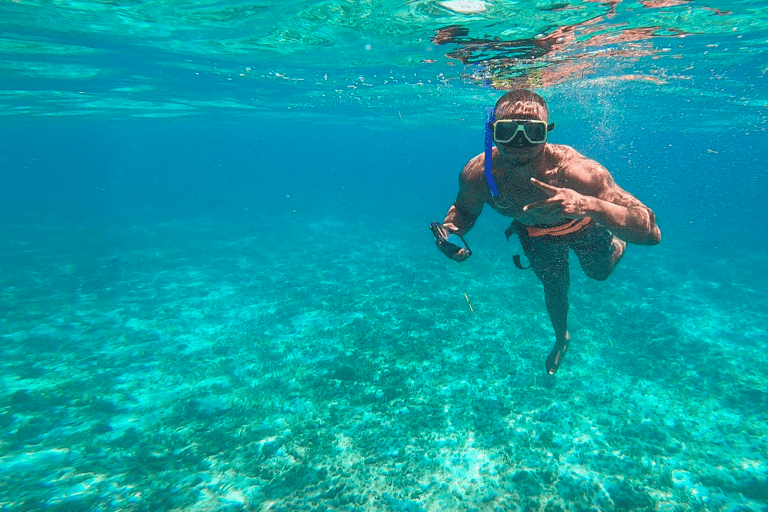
x: 519, y: 160
x: 520, y: 156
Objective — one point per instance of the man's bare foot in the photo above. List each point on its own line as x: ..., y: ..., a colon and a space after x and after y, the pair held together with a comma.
x: 557, y: 354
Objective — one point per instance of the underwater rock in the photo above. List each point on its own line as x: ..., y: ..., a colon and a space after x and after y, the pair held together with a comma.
x: 627, y: 496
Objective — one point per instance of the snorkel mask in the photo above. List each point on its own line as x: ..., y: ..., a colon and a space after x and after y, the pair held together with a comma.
x: 449, y: 243
x: 533, y: 131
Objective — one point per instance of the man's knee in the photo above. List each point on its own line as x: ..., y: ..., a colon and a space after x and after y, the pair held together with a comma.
x: 600, y: 269
x: 554, y: 282
x: 599, y: 274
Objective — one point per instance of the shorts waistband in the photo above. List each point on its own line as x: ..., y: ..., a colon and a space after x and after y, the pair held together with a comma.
x: 567, y: 228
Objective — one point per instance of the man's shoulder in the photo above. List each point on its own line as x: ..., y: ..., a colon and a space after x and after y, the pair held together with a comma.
x: 475, y: 169
x: 578, y: 171
x: 565, y: 154
x: 571, y: 162
x: 472, y: 179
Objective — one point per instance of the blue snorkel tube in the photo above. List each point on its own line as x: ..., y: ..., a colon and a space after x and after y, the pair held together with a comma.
x: 490, y: 116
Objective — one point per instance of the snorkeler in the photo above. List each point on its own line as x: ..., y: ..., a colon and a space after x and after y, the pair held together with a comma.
x: 559, y: 200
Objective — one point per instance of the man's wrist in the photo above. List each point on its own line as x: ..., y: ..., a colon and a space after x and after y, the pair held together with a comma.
x: 595, y: 209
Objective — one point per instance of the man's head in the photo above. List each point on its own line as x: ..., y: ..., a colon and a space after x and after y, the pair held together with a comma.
x: 521, y: 142
x: 522, y: 104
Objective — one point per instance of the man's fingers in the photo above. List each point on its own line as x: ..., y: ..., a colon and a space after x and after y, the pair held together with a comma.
x: 537, y: 204
x: 460, y: 256
x: 549, y: 189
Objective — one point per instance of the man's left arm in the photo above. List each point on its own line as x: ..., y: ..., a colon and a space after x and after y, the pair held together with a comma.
x: 620, y: 211
x: 597, y: 195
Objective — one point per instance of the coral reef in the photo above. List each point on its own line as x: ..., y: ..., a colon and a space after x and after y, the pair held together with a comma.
x: 194, y: 375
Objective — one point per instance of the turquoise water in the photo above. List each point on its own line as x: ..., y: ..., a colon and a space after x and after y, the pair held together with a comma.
x: 218, y: 290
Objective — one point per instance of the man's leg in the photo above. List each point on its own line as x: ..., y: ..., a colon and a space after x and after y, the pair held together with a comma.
x: 549, y: 261
x: 599, y: 252
x: 556, y: 298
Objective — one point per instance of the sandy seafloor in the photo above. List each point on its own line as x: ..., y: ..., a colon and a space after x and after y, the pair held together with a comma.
x: 323, y: 365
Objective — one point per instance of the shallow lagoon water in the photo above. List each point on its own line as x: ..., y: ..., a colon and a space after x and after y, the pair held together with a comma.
x: 220, y: 291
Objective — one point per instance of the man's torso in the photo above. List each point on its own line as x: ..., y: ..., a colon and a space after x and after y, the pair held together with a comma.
x: 560, y: 169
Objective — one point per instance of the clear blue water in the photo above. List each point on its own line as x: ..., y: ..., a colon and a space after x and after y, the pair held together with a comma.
x: 218, y: 289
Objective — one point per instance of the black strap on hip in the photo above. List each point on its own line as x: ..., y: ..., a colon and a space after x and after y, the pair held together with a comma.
x: 518, y: 264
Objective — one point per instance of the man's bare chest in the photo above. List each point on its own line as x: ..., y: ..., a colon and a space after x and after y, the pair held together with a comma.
x: 513, y: 197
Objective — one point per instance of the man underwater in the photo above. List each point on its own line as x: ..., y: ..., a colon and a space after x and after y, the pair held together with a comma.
x: 559, y: 200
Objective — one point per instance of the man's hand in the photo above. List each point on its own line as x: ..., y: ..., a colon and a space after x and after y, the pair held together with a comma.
x: 561, y: 201
x: 449, y: 243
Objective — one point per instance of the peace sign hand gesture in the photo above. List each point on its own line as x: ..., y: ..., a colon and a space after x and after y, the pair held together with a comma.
x: 561, y: 201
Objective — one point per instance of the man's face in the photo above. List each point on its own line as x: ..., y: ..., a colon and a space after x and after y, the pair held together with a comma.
x: 519, y: 151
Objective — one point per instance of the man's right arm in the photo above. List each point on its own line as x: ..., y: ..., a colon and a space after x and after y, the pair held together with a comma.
x: 465, y: 211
